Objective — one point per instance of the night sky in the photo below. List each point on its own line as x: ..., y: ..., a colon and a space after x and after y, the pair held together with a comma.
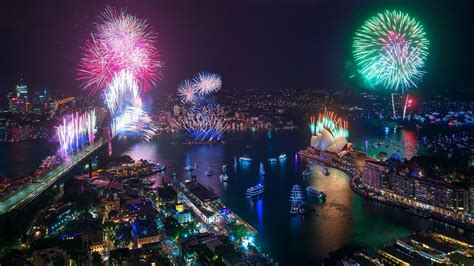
x: 253, y: 44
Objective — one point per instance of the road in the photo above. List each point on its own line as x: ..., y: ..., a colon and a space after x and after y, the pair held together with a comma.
x: 32, y: 190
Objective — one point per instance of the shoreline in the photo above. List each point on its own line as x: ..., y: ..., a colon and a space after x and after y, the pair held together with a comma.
x: 354, y: 175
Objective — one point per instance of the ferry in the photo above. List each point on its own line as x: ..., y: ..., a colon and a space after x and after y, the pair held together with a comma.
x: 208, y: 172
x: 315, y: 193
x: 326, y: 171
x: 282, y: 156
x: 245, y: 158
x: 255, y: 190
x: 272, y: 160
x: 224, y: 177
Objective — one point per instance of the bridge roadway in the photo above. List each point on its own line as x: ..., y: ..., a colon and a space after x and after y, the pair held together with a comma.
x: 30, y: 191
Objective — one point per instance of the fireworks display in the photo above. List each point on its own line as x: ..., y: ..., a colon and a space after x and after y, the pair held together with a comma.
x: 206, y: 124
x: 121, y: 43
x: 206, y: 83
x: 187, y: 92
x: 122, y: 97
x: 337, y: 126
x: 390, y: 50
x: 201, y: 118
x: 121, y: 60
x: 76, y: 130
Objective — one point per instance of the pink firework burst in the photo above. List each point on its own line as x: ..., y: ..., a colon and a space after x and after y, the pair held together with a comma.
x: 122, y: 42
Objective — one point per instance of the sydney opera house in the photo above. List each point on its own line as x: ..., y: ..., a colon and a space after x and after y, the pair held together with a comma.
x: 329, y: 133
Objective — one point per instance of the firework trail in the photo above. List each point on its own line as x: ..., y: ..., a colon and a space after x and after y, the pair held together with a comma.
x: 121, y: 60
x: 207, y: 124
x: 76, y: 130
x: 390, y: 50
x: 201, y: 118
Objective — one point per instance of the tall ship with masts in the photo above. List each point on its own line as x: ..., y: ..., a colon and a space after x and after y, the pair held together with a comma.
x: 296, y: 199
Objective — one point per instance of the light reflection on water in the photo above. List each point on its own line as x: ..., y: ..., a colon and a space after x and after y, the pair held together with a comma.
x: 344, y: 218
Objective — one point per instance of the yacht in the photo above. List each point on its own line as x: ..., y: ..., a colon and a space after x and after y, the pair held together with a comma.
x: 255, y: 190
x: 296, y: 199
x: 282, y: 156
x: 245, y: 158
x: 315, y: 193
x: 224, y: 177
x: 326, y: 171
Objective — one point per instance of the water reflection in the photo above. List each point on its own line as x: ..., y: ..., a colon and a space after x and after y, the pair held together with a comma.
x: 344, y: 218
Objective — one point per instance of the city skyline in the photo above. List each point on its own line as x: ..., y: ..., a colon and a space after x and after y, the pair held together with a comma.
x: 211, y: 133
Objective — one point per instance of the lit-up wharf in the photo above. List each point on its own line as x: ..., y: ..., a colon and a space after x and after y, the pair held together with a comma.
x: 30, y: 191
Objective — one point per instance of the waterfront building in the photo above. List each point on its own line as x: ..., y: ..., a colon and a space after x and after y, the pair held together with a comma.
x: 375, y: 175
x: 471, y: 202
x: 402, y: 185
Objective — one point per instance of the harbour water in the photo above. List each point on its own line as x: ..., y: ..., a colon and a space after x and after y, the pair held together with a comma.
x: 343, y: 219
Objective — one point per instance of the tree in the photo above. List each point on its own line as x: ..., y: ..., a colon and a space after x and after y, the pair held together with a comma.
x: 96, y: 259
x: 238, y: 230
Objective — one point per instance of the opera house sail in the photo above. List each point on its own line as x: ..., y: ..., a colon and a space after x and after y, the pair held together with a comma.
x: 329, y: 133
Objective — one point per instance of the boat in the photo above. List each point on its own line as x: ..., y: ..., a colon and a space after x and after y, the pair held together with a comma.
x: 255, y: 190
x: 148, y: 181
x: 306, y: 172
x: 315, y: 193
x: 160, y: 167
x: 262, y: 169
x: 326, y: 171
x: 224, y: 177
x: 296, y: 199
x: 189, y: 168
x: 282, y: 156
x: 272, y: 160
x: 208, y: 172
x: 245, y: 158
